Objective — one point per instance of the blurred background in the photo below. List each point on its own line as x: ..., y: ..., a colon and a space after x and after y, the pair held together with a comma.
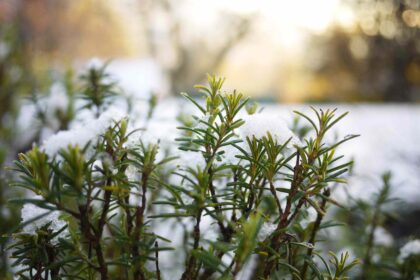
x: 286, y: 51
x: 358, y: 55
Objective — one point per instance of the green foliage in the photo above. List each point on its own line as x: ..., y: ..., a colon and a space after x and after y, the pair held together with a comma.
x: 368, y: 220
x: 98, y: 88
x: 113, y: 194
x: 340, y: 266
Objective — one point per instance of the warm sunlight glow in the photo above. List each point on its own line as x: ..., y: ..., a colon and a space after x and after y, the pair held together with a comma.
x: 287, y: 21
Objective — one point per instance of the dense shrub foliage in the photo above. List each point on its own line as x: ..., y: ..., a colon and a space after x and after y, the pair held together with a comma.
x: 243, y: 196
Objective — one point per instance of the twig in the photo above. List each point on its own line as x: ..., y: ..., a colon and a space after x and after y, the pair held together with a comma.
x: 274, y: 193
x: 315, y: 230
x: 188, y: 273
x: 138, y: 272
x: 157, y: 260
x: 267, y: 264
x: 370, y: 242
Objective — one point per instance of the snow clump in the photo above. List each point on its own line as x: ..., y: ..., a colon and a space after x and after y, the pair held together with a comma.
x: 31, y: 211
x: 258, y: 125
x: 410, y: 248
x: 82, y: 135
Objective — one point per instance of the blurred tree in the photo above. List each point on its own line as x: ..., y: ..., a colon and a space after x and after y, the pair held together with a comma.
x: 67, y: 30
x: 187, y: 58
x: 378, y: 60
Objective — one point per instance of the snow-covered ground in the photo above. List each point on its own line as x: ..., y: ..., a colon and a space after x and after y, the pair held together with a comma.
x: 139, y: 77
